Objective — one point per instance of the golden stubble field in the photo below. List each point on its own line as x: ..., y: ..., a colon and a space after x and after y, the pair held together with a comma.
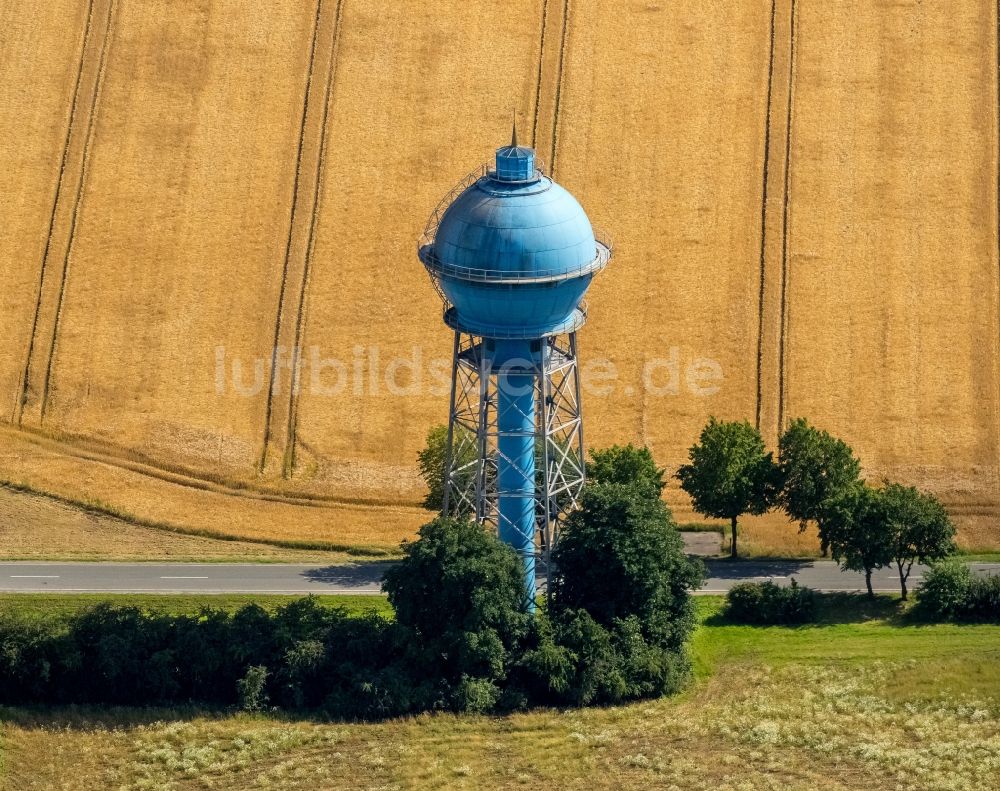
x: 802, y: 193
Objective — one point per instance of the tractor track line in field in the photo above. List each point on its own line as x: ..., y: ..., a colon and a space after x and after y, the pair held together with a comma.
x: 110, y: 512
x: 783, y: 331
x: 22, y: 390
x: 78, y: 200
x: 293, y: 401
x: 191, y: 480
x: 538, y: 77
x: 269, y: 398
x: 763, y: 220
x: 559, y: 84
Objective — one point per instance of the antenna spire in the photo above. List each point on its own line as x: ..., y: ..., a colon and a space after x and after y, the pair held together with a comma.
x: 513, y: 136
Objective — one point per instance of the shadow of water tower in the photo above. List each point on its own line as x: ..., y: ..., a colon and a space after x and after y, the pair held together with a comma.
x: 512, y: 253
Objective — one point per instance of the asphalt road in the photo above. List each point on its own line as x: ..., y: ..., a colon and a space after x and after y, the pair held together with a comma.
x: 363, y: 578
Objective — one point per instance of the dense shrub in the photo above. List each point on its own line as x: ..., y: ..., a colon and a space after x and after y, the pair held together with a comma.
x: 944, y: 592
x: 621, y: 606
x: 577, y: 661
x: 459, y: 597
x: 124, y: 655
x: 984, y: 599
x: 620, y: 556
x: 950, y: 591
x: 766, y: 603
x: 250, y: 689
x: 33, y: 656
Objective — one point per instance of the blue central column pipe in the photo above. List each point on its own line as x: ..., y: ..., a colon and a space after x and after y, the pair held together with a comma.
x: 516, y: 462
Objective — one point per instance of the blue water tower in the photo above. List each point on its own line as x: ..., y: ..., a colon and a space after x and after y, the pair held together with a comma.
x: 512, y: 253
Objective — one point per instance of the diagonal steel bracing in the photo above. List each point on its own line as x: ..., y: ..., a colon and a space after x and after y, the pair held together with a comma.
x: 473, y: 451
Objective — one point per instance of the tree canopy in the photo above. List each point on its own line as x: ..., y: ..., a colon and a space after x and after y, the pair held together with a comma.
x: 871, y: 528
x: 626, y: 464
x: 815, y: 468
x: 856, y: 531
x: 919, y: 528
x: 730, y: 473
x: 462, y: 592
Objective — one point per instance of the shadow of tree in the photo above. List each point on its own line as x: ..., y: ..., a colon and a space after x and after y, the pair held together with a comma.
x: 357, y: 576
x: 850, y: 607
x: 744, y: 569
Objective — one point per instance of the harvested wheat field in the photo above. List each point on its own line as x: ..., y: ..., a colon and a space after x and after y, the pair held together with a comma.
x: 803, y: 198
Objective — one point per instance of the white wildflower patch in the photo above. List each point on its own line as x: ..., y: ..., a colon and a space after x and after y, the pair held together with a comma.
x: 944, y: 744
x: 164, y: 753
x: 766, y: 732
x: 639, y: 760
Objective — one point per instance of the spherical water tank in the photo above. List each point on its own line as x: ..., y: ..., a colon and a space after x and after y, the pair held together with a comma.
x: 514, y: 253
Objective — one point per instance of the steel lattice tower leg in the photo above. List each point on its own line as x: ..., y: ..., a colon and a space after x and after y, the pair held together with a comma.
x: 530, y: 417
x: 561, y: 431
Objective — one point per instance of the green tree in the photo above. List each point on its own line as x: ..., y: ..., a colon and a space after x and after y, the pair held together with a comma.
x: 625, y: 464
x: 432, y: 460
x: 919, y: 528
x: 815, y: 468
x: 857, y: 531
x: 730, y: 473
x: 897, y: 525
x: 620, y: 556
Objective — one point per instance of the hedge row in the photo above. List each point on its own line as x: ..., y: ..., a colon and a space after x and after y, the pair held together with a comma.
x: 304, y: 656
